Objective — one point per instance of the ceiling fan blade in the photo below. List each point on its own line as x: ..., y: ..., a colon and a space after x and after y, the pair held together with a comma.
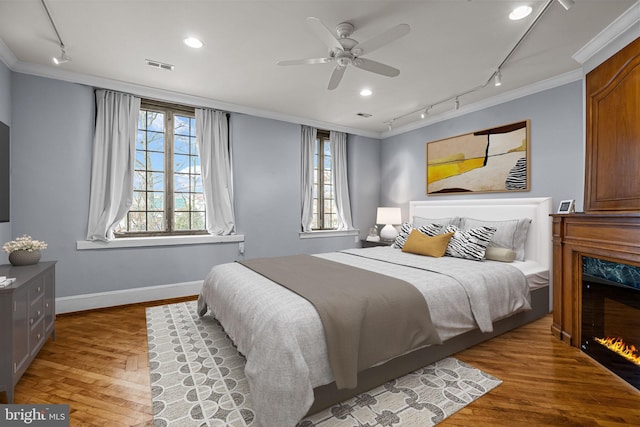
x: 336, y: 76
x: 305, y: 61
x: 324, y: 33
x: 382, y: 39
x: 376, y: 67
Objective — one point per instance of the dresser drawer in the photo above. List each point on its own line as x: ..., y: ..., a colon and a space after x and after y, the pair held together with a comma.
x: 36, y: 337
x: 36, y: 311
x: 36, y: 289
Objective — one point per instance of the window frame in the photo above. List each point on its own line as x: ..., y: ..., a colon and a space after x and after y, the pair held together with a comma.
x: 322, y: 137
x: 169, y: 110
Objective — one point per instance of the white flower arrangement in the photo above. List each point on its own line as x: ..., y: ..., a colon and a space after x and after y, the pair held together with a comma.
x: 23, y: 243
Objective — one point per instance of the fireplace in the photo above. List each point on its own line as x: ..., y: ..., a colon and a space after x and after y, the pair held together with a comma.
x: 611, y: 316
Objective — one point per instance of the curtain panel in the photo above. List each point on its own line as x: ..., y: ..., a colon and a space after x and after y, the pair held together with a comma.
x: 338, y: 145
x: 113, y: 162
x: 308, y: 141
x: 212, y: 133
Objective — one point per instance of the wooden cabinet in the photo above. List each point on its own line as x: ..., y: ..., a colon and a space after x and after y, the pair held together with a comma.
x: 27, y: 316
x: 613, y: 133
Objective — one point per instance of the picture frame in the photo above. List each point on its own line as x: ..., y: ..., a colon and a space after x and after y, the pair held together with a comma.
x: 566, y: 206
x: 485, y: 161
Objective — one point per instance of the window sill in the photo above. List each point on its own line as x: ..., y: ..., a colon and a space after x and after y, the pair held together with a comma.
x: 138, y: 242
x: 328, y: 233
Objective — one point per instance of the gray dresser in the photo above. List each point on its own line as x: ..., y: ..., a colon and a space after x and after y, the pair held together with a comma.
x: 27, y: 319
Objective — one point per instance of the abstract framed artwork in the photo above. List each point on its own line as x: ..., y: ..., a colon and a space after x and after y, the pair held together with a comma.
x: 486, y: 161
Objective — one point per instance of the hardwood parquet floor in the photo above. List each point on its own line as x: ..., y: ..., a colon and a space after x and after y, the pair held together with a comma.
x: 98, y: 365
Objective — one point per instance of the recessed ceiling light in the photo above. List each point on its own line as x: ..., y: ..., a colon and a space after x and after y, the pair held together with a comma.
x: 520, y: 12
x: 193, y: 42
x: 366, y: 92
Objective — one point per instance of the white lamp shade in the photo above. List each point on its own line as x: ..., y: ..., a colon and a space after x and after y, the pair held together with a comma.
x: 389, y: 216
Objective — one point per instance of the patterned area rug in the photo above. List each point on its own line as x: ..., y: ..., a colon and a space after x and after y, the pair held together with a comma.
x: 197, y: 379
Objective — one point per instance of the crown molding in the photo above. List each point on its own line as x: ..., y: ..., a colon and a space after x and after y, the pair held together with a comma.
x: 176, y: 97
x: 540, y: 86
x: 618, y: 27
x: 7, y: 56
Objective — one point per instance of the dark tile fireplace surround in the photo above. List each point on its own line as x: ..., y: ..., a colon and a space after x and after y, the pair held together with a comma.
x: 611, y: 316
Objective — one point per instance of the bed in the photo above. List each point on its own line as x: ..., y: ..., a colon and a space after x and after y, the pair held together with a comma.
x: 281, y: 334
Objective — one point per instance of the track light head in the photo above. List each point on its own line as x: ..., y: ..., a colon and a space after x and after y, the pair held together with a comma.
x: 567, y: 3
x: 497, y: 78
x: 62, y: 58
x: 457, y: 103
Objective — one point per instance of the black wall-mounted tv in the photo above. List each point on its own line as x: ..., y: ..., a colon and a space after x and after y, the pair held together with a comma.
x: 5, y: 173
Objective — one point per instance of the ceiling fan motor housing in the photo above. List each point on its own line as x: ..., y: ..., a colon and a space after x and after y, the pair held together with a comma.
x: 344, y: 29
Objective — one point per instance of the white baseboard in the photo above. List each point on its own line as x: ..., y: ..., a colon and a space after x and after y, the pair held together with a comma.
x: 127, y: 296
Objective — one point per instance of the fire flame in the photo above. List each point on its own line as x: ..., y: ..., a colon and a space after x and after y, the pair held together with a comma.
x: 617, y: 345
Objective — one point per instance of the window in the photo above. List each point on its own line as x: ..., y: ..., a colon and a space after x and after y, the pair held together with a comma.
x: 167, y: 187
x: 324, y: 205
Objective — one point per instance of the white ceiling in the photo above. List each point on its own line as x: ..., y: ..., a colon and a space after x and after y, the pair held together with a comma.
x: 453, y: 46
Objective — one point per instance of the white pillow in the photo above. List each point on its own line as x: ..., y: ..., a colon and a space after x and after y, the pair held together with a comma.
x: 418, y: 221
x: 510, y: 233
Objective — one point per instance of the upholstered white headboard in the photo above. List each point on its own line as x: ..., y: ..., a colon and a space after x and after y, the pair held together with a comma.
x: 539, y: 239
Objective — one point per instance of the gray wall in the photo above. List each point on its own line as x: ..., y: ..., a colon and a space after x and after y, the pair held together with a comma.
x: 557, y: 148
x: 5, y: 117
x: 52, y: 133
x: 364, y: 181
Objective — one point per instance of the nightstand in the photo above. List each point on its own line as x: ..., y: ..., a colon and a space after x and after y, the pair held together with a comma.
x: 369, y: 244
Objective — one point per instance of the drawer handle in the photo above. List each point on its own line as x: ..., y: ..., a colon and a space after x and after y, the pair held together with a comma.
x: 46, y: 305
x: 38, y: 336
x: 39, y: 288
x: 38, y: 315
x: 31, y: 321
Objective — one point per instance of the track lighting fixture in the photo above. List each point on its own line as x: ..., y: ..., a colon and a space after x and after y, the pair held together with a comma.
x: 63, y: 52
x: 63, y: 56
x: 497, y: 78
x: 567, y: 3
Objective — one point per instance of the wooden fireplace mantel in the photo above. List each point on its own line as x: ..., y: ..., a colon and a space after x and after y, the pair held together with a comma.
x: 612, y: 237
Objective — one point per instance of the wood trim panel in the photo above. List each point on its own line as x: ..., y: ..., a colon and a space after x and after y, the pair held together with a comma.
x: 613, y: 133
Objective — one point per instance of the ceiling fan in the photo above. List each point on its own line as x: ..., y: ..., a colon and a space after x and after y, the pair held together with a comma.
x: 347, y: 51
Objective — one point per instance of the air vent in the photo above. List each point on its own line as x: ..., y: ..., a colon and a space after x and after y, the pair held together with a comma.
x: 160, y: 65
x: 365, y: 115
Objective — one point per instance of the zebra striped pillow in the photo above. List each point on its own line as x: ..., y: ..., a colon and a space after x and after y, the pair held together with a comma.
x: 405, y: 230
x: 469, y: 244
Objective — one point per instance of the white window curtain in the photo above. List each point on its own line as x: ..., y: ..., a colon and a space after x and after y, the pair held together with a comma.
x: 338, y: 145
x: 212, y: 133
x: 308, y: 141
x: 113, y: 162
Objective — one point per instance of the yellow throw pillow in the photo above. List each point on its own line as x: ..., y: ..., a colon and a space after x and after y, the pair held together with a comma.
x: 421, y: 244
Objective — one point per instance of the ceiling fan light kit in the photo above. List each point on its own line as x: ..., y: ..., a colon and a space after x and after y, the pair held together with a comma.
x: 345, y: 51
